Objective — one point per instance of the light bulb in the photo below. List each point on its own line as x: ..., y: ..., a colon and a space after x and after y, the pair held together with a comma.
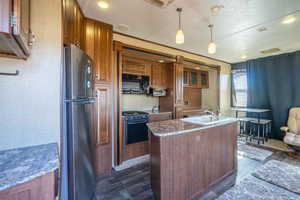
x: 103, y: 4
x: 212, y: 48
x: 179, y: 37
x: 289, y: 20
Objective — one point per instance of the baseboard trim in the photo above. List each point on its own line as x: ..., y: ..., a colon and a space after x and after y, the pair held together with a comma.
x: 132, y: 162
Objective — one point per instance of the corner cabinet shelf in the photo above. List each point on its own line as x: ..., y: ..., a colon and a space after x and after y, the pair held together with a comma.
x: 15, y: 33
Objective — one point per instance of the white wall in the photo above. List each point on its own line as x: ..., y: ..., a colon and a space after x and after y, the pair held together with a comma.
x: 210, y: 95
x: 225, y: 91
x: 29, y: 103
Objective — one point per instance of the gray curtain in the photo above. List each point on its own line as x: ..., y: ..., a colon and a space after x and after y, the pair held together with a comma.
x: 274, y: 83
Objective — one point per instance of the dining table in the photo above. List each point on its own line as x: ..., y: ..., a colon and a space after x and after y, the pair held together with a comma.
x: 258, y: 111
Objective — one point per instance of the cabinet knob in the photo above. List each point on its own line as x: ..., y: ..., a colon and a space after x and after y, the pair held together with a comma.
x: 97, y: 75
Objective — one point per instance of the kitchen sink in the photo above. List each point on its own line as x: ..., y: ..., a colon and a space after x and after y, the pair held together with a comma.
x: 206, y: 120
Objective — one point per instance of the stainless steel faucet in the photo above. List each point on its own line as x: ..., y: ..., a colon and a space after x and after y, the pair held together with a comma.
x: 213, y: 114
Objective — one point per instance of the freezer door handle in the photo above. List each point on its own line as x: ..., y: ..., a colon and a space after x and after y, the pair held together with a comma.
x: 89, y: 100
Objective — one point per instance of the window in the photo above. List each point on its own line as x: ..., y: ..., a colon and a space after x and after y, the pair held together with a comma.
x: 239, y: 88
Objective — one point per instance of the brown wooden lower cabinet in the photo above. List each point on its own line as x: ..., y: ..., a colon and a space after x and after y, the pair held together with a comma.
x: 136, y: 149
x: 178, y: 113
x: 40, y: 188
x: 185, y: 166
x: 156, y: 117
x: 103, y: 130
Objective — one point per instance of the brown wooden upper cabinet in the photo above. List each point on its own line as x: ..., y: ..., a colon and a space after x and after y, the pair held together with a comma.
x: 158, y: 75
x: 136, y: 66
x: 204, y: 79
x: 190, y: 78
x: 157, y: 117
x: 73, y: 23
x: 98, y: 45
x: 195, y: 78
x: 15, y: 32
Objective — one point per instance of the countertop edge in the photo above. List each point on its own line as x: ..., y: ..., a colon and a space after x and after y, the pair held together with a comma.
x: 191, y: 130
x: 29, y: 178
x: 24, y: 164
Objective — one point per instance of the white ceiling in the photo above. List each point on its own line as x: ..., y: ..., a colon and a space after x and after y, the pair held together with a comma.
x: 235, y: 30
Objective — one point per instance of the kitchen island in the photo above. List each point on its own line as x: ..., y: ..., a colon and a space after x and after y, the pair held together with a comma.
x: 189, y: 158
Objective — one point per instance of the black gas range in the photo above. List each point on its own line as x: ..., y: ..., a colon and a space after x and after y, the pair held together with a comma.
x: 135, y: 115
x: 135, y: 128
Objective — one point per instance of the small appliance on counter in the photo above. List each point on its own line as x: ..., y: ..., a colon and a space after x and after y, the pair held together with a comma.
x: 133, y: 84
x: 158, y: 92
x: 135, y: 128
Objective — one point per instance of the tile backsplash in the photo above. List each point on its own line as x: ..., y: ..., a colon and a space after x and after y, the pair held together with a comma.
x: 138, y: 102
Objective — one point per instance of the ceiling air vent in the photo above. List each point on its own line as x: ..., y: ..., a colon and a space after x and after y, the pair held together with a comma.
x: 160, y: 3
x: 269, y: 51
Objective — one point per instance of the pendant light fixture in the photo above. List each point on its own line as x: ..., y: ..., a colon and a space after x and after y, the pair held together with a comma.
x: 179, y: 34
x: 212, y: 47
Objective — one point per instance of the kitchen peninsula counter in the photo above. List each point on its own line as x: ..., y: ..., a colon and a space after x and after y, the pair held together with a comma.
x: 188, y: 159
x: 178, y: 126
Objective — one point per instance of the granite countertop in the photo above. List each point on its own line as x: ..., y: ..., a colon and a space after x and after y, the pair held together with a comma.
x: 24, y: 164
x: 157, y: 112
x: 177, y: 127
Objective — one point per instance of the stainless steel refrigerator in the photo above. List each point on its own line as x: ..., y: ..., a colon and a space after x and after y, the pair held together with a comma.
x: 77, y: 176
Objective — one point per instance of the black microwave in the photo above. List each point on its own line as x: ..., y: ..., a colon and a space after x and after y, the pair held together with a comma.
x: 134, y: 84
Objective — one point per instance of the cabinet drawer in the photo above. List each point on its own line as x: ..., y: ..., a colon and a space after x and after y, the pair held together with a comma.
x: 160, y: 117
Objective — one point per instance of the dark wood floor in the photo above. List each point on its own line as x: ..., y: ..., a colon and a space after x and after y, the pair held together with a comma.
x: 134, y: 183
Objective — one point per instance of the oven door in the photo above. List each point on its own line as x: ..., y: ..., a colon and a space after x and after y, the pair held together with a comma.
x: 135, y: 131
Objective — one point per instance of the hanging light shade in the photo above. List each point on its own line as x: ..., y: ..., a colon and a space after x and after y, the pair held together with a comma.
x: 212, y: 47
x: 179, y: 34
x: 179, y: 37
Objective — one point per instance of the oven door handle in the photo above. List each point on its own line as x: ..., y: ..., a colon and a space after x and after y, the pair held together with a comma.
x: 137, y: 121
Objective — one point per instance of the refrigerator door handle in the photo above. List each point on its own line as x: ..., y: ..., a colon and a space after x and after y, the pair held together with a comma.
x: 89, y: 100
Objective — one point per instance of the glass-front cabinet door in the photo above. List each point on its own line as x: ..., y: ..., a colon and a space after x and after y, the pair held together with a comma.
x: 194, y: 78
x: 185, y: 78
x: 204, y: 79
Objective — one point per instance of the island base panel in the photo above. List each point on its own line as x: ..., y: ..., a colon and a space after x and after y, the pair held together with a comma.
x: 186, y: 166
